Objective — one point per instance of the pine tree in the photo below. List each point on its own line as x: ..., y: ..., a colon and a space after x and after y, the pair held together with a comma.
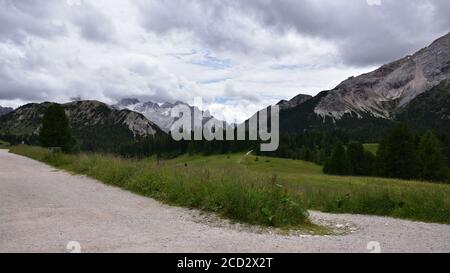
x: 356, y: 158
x: 397, y: 155
x: 381, y: 157
x: 361, y: 161
x: 369, y: 163
x: 338, y: 163
x: 55, y: 130
x: 433, y: 164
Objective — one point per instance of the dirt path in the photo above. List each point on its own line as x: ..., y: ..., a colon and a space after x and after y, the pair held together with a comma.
x: 42, y: 209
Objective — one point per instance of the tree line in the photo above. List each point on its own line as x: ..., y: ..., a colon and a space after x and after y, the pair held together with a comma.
x: 312, y: 146
x: 402, y: 154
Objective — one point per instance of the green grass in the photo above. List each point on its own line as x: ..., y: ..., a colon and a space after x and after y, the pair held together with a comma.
x: 259, y: 190
x: 4, y: 145
x: 230, y: 192
x: 373, y: 148
x: 309, y: 187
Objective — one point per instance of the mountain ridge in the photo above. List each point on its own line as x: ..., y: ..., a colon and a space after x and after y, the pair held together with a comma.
x: 294, y: 102
x: 94, y: 124
x: 392, y: 86
x: 365, y: 105
x: 160, y: 114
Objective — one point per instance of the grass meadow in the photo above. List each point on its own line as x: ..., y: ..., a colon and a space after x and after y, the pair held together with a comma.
x: 257, y: 190
x: 373, y: 148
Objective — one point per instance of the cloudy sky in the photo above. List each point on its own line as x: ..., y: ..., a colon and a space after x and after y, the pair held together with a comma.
x: 239, y: 56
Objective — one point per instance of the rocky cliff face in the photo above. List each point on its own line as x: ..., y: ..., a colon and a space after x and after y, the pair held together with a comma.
x: 386, y: 90
x: 161, y: 115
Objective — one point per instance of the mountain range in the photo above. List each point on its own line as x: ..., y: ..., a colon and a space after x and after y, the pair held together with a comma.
x: 383, y: 92
x: 94, y: 124
x: 414, y: 89
x: 365, y: 104
x: 161, y: 114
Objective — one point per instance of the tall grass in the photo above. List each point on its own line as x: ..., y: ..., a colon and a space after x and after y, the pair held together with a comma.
x: 231, y: 193
x: 270, y: 191
x: 309, y: 187
x: 406, y: 203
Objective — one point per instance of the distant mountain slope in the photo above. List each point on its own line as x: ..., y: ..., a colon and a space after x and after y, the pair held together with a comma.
x: 364, y: 106
x: 430, y: 110
x: 303, y: 119
x: 382, y: 92
x: 5, y: 110
x: 161, y: 114
x: 296, y: 101
x: 284, y: 105
x: 95, y: 125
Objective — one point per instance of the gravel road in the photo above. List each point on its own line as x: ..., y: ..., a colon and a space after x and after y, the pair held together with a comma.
x: 42, y: 210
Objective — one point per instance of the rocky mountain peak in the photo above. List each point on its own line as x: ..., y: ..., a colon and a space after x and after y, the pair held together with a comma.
x: 128, y: 101
x: 296, y: 101
x: 161, y: 115
x: 172, y: 105
x: 384, y: 91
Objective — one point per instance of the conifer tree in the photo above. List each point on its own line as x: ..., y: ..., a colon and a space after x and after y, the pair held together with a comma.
x: 55, y: 130
x: 338, y: 163
x: 433, y: 164
x: 360, y: 160
x: 398, y: 154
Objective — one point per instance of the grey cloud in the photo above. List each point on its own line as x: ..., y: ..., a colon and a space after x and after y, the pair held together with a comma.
x: 18, y: 19
x: 11, y: 89
x: 141, y: 69
x: 215, y: 23
x: 44, y: 70
x: 94, y: 25
x: 363, y: 34
x: 24, y: 18
x: 151, y: 93
x: 231, y: 92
